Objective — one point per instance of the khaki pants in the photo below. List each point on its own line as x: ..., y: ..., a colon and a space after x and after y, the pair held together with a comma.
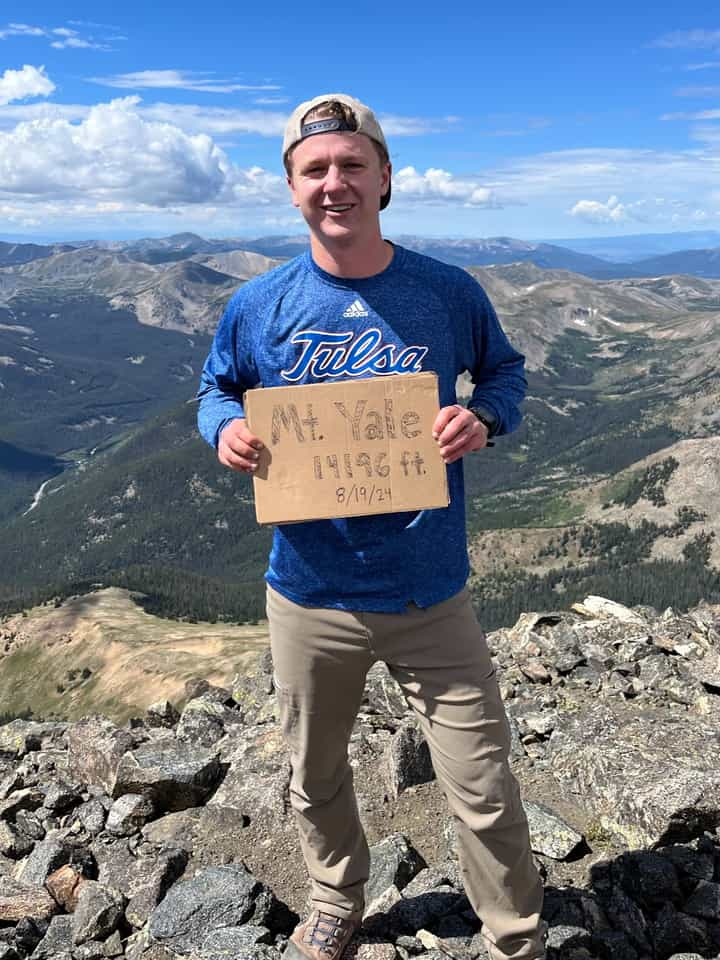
x: 441, y: 661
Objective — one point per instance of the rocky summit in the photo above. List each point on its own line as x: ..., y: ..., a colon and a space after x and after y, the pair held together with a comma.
x: 170, y: 838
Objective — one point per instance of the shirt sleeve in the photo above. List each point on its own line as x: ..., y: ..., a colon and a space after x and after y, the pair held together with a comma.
x: 229, y: 371
x: 496, y: 368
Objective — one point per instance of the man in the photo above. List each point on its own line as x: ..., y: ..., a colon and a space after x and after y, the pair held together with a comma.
x: 344, y: 593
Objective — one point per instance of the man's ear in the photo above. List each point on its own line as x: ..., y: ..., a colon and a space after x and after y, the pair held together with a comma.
x: 387, y: 176
x: 385, y: 181
x: 295, y: 201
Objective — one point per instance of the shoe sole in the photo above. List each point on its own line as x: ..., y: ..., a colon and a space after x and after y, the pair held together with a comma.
x: 293, y: 952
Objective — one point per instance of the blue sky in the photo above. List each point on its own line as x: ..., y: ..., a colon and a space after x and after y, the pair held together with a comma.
x: 525, y: 120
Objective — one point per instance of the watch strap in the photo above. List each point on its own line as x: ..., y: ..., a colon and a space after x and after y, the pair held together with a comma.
x: 488, y: 419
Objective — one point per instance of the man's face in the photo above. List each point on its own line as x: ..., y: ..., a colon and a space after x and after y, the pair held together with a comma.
x: 337, y: 181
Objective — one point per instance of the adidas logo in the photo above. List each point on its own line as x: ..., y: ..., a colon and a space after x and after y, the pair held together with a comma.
x: 356, y: 309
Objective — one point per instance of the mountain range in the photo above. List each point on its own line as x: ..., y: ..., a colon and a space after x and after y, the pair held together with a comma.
x: 641, y: 246
x: 601, y: 258
x: 103, y: 477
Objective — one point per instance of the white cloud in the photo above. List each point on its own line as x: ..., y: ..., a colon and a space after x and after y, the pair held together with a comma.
x: 128, y: 163
x: 28, y: 82
x: 217, y: 120
x: 115, y: 155
x: 648, y: 210
x: 124, y: 161
x: 221, y: 121
x: 440, y: 185
x: 178, y: 80
x: 702, y: 216
x: 706, y: 134
x: 698, y: 92
x: 569, y: 173
x: 256, y: 185
x: 77, y: 43
x: 13, y: 114
x: 20, y: 215
x: 397, y: 126
x: 69, y: 37
x: 697, y: 39
x: 595, y: 212
x: 641, y: 211
x: 92, y: 25
x: 268, y: 123
x: 22, y: 30
x: 283, y: 223
x: 191, y: 118
x: 214, y: 121
x: 699, y: 115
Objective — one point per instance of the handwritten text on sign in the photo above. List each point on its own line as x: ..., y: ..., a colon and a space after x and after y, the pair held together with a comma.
x: 349, y: 448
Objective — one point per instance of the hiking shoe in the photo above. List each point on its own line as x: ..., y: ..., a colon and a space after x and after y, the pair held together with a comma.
x: 324, y: 936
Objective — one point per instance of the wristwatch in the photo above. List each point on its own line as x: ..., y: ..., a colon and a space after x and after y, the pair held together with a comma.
x: 487, y: 418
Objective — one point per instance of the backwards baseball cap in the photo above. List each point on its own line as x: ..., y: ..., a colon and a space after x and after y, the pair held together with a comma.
x: 363, y: 121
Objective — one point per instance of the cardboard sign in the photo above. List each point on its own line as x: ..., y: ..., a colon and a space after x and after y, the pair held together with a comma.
x: 347, y: 449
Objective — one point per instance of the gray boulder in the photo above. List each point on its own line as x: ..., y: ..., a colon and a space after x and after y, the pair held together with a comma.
x: 215, y: 898
x: 393, y: 862
x: 383, y: 694
x: 95, y: 747
x: 29, y: 799
x: 252, y: 691
x: 18, y: 900
x: 20, y: 737
x: 550, y: 835
x: 98, y: 913
x: 13, y: 842
x: 61, y: 797
x: 204, y: 721
x: 100, y: 949
x: 57, y: 943
x: 144, y: 876
x: 258, y: 773
x: 643, y: 779
x: 162, y: 714
x: 562, y: 938
x: 47, y: 856
x: 172, y: 774
x: 129, y: 814
x: 705, y: 901
x: 673, y: 931
x: 92, y: 816
x: 406, y: 761
x: 234, y: 942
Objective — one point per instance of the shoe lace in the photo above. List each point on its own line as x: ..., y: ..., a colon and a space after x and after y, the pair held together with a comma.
x: 325, y: 932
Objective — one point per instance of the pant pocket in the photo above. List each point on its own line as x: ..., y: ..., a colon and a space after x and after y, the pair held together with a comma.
x: 289, y: 712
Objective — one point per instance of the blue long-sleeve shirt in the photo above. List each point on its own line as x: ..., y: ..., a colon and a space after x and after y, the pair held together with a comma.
x: 299, y: 324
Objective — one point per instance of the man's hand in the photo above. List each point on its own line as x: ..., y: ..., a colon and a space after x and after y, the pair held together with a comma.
x: 238, y: 447
x: 458, y: 431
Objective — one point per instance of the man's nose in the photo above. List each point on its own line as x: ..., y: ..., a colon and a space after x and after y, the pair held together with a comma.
x: 334, y: 179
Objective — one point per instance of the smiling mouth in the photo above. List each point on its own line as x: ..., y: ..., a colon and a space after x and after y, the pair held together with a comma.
x: 338, y: 207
